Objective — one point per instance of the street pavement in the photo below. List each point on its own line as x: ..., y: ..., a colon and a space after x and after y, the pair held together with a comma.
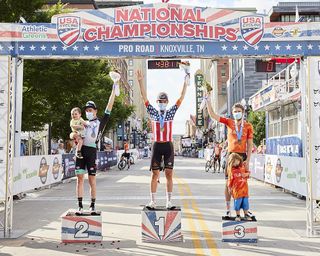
x: 121, y: 194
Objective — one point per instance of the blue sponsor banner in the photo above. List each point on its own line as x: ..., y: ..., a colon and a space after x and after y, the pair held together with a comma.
x: 159, y: 49
x: 285, y: 146
x: 104, y: 161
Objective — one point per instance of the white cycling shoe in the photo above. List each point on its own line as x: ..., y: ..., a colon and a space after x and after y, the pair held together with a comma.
x: 169, y: 205
x: 151, y: 205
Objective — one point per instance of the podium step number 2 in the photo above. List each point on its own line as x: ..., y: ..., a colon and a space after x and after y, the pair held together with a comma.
x: 81, y: 229
x: 161, y: 225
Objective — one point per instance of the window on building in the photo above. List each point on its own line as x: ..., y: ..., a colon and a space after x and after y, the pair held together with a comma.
x: 223, y: 71
x: 274, y: 123
x: 130, y: 62
x: 289, y: 120
x: 130, y: 72
x: 130, y: 82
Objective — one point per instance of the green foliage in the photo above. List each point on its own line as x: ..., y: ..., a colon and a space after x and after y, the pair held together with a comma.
x: 12, y: 10
x: 258, y: 121
x: 53, y: 87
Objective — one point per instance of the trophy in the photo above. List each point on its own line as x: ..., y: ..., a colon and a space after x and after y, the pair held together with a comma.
x: 185, y: 65
x: 115, y: 76
x: 203, y: 103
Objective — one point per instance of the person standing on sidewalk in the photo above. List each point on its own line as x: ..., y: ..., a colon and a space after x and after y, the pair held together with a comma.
x: 240, y: 139
x: 162, y: 121
x: 93, y: 133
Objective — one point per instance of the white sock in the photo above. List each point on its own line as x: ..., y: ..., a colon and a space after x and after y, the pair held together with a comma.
x: 153, y: 197
x: 169, y: 195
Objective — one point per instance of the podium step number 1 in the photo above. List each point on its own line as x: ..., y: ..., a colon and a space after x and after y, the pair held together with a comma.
x: 161, y: 225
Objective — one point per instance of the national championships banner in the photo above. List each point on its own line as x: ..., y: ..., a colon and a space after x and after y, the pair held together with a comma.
x: 160, y: 30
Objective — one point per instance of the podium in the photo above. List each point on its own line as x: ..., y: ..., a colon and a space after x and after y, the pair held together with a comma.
x: 239, y: 231
x: 161, y: 225
x: 83, y: 228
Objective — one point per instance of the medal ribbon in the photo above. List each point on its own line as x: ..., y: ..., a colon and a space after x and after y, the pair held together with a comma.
x: 162, y: 117
x: 239, y: 133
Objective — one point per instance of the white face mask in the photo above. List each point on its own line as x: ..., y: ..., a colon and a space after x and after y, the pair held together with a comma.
x: 89, y: 115
x: 237, y: 115
x: 162, y: 106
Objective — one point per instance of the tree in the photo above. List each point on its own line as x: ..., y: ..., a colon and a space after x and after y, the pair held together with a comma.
x: 258, y: 121
x: 52, y: 88
x: 12, y: 10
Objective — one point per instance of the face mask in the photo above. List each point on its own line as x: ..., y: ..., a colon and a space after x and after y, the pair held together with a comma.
x: 89, y: 115
x: 237, y: 115
x: 162, y: 106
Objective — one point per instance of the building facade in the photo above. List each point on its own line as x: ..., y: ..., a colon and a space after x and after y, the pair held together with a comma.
x: 286, y: 12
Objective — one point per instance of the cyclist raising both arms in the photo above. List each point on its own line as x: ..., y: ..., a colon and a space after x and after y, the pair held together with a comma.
x: 162, y: 121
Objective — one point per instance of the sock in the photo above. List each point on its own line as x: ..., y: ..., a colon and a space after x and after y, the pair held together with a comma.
x: 93, y: 201
x: 80, y: 202
x: 228, y: 205
x: 169, y: 195
x: 153, y: 197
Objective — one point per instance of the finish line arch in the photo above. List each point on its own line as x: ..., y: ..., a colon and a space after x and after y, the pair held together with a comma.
x: 157, y: 31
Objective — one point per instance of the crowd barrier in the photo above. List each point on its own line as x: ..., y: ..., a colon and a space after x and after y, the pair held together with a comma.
x: 283, y: 171
x: 30, y: 172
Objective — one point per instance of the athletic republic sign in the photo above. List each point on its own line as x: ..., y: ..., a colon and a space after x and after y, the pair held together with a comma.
x: 160, y: 30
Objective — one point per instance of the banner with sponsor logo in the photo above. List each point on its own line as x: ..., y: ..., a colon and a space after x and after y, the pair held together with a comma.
x: 160, y: 29
x: 104, y: 161
x: 256, y: 166
x: 36, y: 171
x: 286, y: 172
x: 199, y: 82
x: 285, y: 146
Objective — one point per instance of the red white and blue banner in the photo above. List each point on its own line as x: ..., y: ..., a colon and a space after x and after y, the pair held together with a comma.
x: 161, y: 226
x: 160, y: 30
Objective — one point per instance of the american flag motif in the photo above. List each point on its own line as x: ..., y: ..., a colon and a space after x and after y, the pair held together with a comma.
x: 252, y: 29
x: 161, y: 226
x: 164, y: 134
x: 68, y: 29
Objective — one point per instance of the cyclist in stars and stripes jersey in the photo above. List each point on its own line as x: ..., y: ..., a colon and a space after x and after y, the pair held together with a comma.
x: 162, y: 121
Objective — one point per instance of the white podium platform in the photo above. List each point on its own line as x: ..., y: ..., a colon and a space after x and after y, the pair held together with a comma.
x: 161, y: 225
x: 82, y: 228
x: 239, y: 231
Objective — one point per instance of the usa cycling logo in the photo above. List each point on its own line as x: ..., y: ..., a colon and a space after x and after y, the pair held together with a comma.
x: 68, y: 29
x: 252, y: 29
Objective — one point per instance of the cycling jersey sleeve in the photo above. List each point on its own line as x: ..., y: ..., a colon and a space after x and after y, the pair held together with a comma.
x: 102, y: 126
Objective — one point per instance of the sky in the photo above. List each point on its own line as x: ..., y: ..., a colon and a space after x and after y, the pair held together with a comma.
x: 171, y: 81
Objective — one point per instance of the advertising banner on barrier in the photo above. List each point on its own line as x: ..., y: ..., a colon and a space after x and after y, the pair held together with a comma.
x: 69, y: 165
x: 161, y: 30
x: 36, y: 171
x: 104, y: 160
x: 284, y: 146
x: 257, y: 166
x: 286, y: 172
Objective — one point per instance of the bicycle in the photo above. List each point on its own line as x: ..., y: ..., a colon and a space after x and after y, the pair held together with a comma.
x: 212, y: 164
x: 122, y: 163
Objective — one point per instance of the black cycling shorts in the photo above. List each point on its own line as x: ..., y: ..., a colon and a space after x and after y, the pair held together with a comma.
x: 244, y: 158
x: 160, y: 150
x: 88, y: 161
x: 126, y: 155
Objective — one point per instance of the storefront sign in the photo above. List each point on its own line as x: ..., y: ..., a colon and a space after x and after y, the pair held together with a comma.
x: 199, y: 82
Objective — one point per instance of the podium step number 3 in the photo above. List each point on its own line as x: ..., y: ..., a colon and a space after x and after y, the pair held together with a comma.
x: 239, y: 231
x: 161, y: 225
x: 81, y: 229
